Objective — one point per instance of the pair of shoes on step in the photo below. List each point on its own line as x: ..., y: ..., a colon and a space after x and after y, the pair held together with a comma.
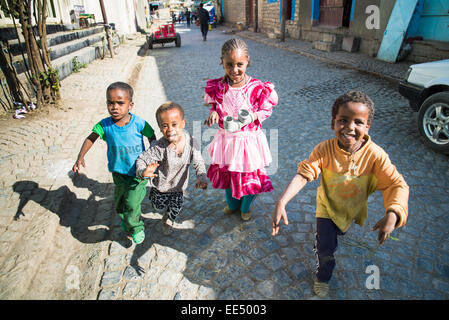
x: 244, y: 215
x: 19, y: 113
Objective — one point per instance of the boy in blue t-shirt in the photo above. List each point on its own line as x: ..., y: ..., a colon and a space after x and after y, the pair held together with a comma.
x: 123, y: 133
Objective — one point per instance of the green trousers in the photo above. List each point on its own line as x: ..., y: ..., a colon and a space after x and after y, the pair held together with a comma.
x: 128, y: 196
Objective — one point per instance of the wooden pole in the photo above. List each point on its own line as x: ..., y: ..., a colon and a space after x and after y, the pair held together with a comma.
x: 256, y: 16
x: 284, y: 6
x: 107, y: 28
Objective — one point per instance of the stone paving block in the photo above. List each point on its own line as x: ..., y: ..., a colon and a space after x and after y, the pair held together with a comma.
x: 130, y: 289
x: 131, y: 274
x: 111, y: 278
x: 222, y: 279
x: 229, y: 293
x: 441, y: 284
x: 187, y: 289
x: 268, y: 288
x: 152, y: 274
x: 273, y: 262
x: 282, y: 278
x: 169, y: 278
x: 206, y: 293
x: 299, y: 271
x: 241, y: 258
x: 259, y: 273
x: 410, y: 289
x: 108, y: 294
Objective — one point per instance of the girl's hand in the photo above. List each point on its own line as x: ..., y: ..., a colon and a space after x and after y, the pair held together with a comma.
x: 278, y: 214
x: 77, y: 166
x: 149, y: 170
x: 213, y: 118
x: 386, y: 226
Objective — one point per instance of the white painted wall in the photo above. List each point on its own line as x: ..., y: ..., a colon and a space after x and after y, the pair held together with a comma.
x: 124, y: 13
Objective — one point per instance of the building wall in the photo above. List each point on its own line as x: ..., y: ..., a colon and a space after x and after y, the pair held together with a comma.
x: 301, y: 26
x: 124, y: 13
x: 235, y: 11
x: 293, y: 26
x: 269, y: 21
x: 370, y: 38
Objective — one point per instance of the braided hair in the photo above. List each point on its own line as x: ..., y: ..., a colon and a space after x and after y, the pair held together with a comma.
x: 231, y: 45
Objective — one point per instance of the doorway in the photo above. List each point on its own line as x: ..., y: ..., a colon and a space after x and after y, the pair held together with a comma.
x: 335, y: 13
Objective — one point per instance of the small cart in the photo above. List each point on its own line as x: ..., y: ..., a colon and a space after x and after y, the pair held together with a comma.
x: 163, y: 30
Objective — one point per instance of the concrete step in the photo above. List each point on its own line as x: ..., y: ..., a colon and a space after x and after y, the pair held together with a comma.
x: 65, y: 48
x: 62, y: 49
x: 331, y: 37
x: 9, y: 33
x: 55, y: 39
x: 326, y: 46
x: 64, y: 64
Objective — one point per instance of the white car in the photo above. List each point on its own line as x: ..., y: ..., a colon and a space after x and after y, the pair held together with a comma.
x: 426, y: 86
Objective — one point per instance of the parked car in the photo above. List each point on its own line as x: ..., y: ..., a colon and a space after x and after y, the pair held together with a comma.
x: 426, y: 86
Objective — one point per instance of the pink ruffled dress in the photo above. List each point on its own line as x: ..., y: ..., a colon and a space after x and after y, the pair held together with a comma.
x: 239, y: 159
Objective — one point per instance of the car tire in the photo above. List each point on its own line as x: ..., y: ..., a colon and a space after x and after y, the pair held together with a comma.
x: 178, y: 40
x: 433, y: 121
x: 150, y: 42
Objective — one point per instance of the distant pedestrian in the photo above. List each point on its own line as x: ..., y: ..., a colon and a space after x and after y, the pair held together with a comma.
x: 239, y: 151
x: 171, y: 156
x: 123, y: 133
x: 187, y: 15
x: 203, y: 16
x: 352, y: 167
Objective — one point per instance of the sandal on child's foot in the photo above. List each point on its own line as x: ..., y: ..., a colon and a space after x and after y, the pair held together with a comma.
x: 245, y: 215
x: 138, y: 237
x: 226, y: 210
x: 321, y: 289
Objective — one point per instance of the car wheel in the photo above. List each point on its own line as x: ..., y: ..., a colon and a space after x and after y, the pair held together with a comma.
x: 150, y: 42
x: 433, y: 121
x: 178, y: 40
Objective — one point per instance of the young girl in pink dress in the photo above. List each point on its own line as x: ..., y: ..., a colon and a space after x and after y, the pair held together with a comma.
x: 239, y: 151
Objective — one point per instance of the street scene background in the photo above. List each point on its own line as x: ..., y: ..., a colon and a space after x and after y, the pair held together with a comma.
x: 60, y: 237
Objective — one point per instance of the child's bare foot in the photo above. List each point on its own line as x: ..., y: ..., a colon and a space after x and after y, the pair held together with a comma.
x: 167, y: 229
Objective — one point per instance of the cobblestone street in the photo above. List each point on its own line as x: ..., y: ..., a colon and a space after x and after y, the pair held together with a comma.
x: 60, y: 237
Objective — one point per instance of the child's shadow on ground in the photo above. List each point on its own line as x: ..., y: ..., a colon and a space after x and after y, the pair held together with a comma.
x: 89, y: 219
x: 215, y: 250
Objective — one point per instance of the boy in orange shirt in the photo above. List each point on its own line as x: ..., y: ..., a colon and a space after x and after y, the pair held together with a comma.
x: 351, y: 167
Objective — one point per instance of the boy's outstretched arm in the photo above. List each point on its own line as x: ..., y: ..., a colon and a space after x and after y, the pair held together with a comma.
x: 395, y: 193
x: 386, y: 225
x: 90, y: 140
x: 295, y: 185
